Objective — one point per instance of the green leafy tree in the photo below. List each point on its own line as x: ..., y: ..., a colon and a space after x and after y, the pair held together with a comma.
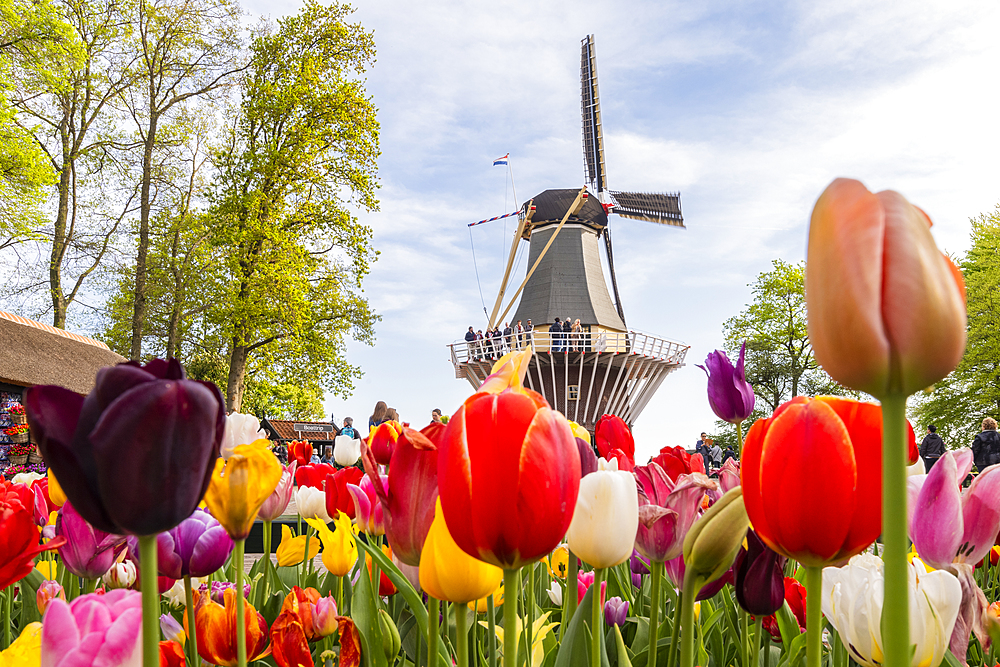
x: 958, y: 403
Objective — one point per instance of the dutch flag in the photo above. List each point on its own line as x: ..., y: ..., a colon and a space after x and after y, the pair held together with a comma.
x: 501, y: 160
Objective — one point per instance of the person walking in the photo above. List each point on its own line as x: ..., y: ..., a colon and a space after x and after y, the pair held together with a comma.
x: 932, y: 448
x: 986, y: 446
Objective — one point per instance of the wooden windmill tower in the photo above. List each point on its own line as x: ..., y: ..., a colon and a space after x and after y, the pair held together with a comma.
x: 606, y: 369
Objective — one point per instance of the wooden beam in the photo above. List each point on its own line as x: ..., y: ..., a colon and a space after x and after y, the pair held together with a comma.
x: 510, y: 260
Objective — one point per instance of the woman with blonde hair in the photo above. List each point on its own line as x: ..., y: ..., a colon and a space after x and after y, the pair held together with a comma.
x: 986, y: 446
x: 577, y: 336
x: 378, y: 416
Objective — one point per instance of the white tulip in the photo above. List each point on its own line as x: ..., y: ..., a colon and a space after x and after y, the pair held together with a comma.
x: 555, y: 593
x: 852, y: 602
x: 311, y: 503
x: 26, y: 478
x: 346, y: 450
x: 240, y: 430
x: 121, y: 575
x: 175, y: 595
x: 606, y: 518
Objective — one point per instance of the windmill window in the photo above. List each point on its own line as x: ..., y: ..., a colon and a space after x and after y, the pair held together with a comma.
x: 574, y: 392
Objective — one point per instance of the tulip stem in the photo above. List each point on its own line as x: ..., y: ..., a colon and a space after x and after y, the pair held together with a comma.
x: 492, y: 638
x: 744, y: 638
x: 692, y: 584
x: 814, y: 616
x: 8, y: 597
x: 596, y: 629
x: 675, y: 630
x: 306, y: 554
x: 757, y: 628
x: 739, y: 440
x: 571, y: 591
x: 189, y: 611
x: 433, y: 614
x: 655, y: 574
x: 89, y: 586
x: 241, y: 633
x: 267, y: 540
x: 511, y: 584
x: 150, y: 602
x: 462, y: 634
x: 529, y: 609
x: 895, y: 612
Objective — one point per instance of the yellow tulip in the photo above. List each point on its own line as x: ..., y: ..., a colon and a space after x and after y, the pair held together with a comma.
x: 240, y: 485
x: 481, y: 606
x: 558, y: 562
x: 56, y: 494
x: 448, y: 573
x: 580, y: 432
x: 292, y: 550
x: 48, y: 568
x: 539, y: 630
x: 340, y: 550
x: 26, y: 651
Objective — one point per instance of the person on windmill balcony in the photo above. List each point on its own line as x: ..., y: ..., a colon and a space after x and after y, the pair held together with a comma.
x: 470, y: 341
x: 577, y: 336
x: 519, y: 335
x: 527, y: 332
x: 555, y: 332
x: 508, y: 337
x: 567, y: 337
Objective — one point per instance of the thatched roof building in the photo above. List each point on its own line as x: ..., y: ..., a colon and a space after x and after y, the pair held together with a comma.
x: 34, y: 353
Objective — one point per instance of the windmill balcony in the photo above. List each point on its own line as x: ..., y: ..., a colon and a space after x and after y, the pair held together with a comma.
x: 584, y: 375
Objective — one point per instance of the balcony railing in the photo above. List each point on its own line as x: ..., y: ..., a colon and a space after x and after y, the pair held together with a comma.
x: 605, y: 342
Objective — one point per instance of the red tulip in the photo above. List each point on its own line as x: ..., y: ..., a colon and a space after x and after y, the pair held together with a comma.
x: 509, y: 475
x: 624, y: 462
x: 886, y: 307
x: 338, y: 498
x: 301, y: 451
x: 314, y: 475
x: 613, y: 433
x: 19, y: 535
x: 408, y: 502
x: 675, y: 461
x: 382, y: 442
x: 172, y: 654
x: 812, y: 478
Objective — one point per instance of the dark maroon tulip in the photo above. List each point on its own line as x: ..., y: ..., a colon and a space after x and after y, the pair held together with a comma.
x: 408, y: 499
x: 760, y: 587
x: 674, y: 569
x: 136, y: 454
x: 588, y: 459
x: 89, y: 552
x: 196, y: 547
x: 730, y: 395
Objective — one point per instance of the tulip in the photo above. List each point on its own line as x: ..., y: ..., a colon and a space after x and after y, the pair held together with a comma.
x: 615, y: 611
x: 448, y: 573
x: 196, y: 547
x: 729, y: 475
x: 241, y: 429
x: 47, y: 592
x: 675, y: 461
x: 585, y: 580
x: 346, y: 451
x: 340, y: 550
x: 481, y: 606
x: 300, y: 451
x: 313, y: 475
x: 26, y: 649
x: 26, y: 478
x: 368, y: 511
x: 301, y: 603
x: 409, y: 495
x: 623, y: 461
x: 175, y: 596
x: 638, y: 564
x: 289, y: 645
x: 171, y: 654
x: 311, y: 503
x: 667, y: 509
x: 729, y: 394
x: 216, y: 626
x: 135, y: 455
x: 88, y: 552
x: 674, y: 569
x: 277, y: 502
x: 795, y: 596
x: 19, y: 534
x: 759, y: 578
x: 43, y: 506
x: 121, y: 575
x: 853, y: 601
x: 240, y: 485
x: 292, y: 550
x: 588, y: 460
x: 338, y: 498
x: 56, y: 494
x: 172, y: 630
x: 382, y: 441
x: 217, y: 590
x: 611, y: 432
x: 558, y: 562
x: 324, y: 617
x: 886, y: 307
x: 603, y: 529
x: 94, y: 630
x: 579, y: 431
x: 555, y: 593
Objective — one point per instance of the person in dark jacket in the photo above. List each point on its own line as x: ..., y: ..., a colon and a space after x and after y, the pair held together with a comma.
x: 932, y: 448
x: 555, y: 333
x: 986, y: 446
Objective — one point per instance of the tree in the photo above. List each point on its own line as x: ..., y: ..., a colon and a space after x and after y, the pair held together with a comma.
x: 303, y: 148
x: 959, y: 402
x: 187, y: 49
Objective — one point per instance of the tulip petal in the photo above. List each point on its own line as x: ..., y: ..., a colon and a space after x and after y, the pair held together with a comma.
x: 980, y: 515
x: 937, y: 525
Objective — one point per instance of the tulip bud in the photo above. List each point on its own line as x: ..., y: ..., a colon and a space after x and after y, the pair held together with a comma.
x: 47, y: 592
x: 324, y: 617
x: 729, y: 394
x: 615, y: 611
x: 172, y: 630
x: 555, y: 593
x: 714, y: 540
x: 390, y: 634
x: 121, y: 575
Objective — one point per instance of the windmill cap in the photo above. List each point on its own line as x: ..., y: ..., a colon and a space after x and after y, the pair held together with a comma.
x: 551, y: 206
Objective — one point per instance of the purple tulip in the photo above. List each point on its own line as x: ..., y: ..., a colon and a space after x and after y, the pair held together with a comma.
x: 135, y: 455
x: 674, y: 569
x: 666, y: 510
x: 219, y: 589
x: 615, y: 611
x: 588, y: 459
x: 89, y: 552
x: 760, y: 577
x: 638, y: 563
x: 636, y: 580
x: 196, y: 547
x: 729, y: 393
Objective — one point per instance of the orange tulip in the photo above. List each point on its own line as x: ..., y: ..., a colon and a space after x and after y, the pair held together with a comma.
x: 217, y: 626
x: 172, y: 655
x: 886, y: 307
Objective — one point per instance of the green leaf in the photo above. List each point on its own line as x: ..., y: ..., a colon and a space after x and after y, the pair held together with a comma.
x: 788, y: 625
x: 575, y: 647
x: 623, y: 659
x: 29, y: 589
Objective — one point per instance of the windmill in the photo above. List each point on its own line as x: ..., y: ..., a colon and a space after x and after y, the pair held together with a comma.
x: 565, y: 278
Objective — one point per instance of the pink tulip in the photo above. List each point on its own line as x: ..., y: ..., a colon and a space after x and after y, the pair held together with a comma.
x: 585, y: 580
x: 89, y: 552
x: 94, y: 630
x: 367, y: 508
x: 277, y: 502
x: 729, y: 475
x: 666, y: 510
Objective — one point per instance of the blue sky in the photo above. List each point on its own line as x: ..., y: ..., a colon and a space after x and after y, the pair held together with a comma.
x: 748, y: 108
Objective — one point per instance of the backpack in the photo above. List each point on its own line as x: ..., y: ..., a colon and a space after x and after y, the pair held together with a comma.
x: 349, y: 432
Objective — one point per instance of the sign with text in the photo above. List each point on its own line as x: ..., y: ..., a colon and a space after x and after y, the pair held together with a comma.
x: 313, y: 428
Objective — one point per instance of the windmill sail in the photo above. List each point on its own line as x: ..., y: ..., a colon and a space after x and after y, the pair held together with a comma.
x: 593, y: 137
x: 652, y: 207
